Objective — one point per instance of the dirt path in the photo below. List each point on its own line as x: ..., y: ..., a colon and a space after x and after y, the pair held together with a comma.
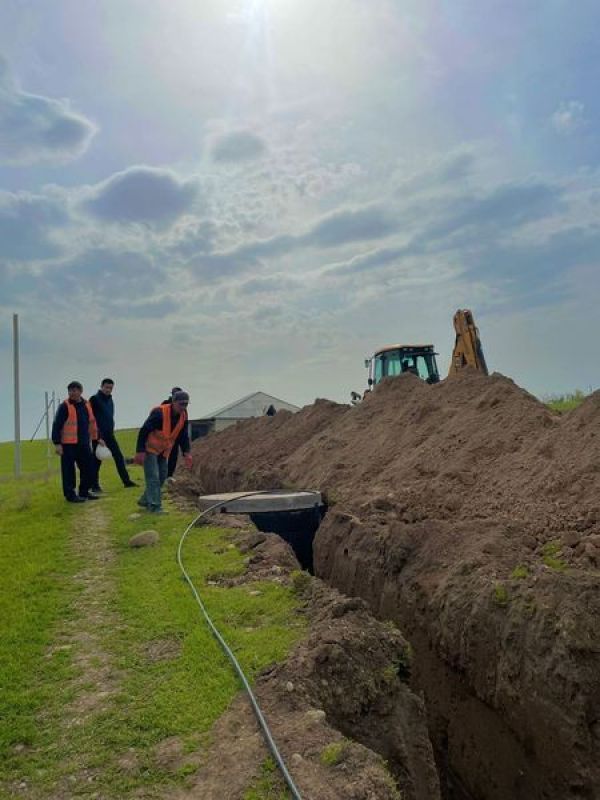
x: 96, y: 681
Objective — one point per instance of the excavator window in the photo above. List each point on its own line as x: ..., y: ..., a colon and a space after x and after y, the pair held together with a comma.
x: 395, y: 362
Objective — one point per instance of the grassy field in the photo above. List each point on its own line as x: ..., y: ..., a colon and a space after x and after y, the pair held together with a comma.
x: 565, y: 402
x: 110, y: 679
x: 37, y: 458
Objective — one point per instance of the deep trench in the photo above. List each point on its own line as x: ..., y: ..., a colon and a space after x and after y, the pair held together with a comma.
x: 455, y: 716
x: 298, y: 529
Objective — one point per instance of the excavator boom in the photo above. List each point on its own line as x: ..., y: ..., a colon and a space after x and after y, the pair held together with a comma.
x: 467, y: 346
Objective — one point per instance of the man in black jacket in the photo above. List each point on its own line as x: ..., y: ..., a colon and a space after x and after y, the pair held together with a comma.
x: 104, y: 411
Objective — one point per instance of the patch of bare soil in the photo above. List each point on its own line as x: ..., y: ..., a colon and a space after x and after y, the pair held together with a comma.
x: 339, y: 702
x: 469, y: 513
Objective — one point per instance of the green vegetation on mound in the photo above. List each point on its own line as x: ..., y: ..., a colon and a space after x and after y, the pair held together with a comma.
x: 565, y: 402
x: 269, y: 785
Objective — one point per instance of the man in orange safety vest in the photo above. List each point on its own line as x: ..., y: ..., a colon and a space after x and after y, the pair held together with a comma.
x: 73, y: 431
x: 165, y: 428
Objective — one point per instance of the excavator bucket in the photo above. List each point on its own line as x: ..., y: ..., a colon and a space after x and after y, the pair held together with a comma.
x: 467, y: 346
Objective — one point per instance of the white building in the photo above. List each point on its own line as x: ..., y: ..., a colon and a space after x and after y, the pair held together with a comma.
x: 253, y: 405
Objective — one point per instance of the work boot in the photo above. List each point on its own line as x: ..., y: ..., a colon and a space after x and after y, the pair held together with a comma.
x: 75, y: 499
x: 97, y: 489
x: 130, y: 484
x: 89, y: 496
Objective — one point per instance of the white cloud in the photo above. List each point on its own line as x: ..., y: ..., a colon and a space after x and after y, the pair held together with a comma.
x: 35, y: 128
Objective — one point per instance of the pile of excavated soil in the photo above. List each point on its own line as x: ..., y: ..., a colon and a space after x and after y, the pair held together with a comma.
x: 470, y: 514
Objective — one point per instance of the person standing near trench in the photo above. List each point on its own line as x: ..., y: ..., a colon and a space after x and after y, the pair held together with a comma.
x: 73, y: 431
x: 174, y: 454
x: 164, y: 429
x: 104, y: 410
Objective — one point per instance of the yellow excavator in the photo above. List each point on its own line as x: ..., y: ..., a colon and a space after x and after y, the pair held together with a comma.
x: 467, y: 344
x: 420, y: 359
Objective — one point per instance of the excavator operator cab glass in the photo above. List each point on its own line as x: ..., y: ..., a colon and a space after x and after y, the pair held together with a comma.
x: 394, y: 361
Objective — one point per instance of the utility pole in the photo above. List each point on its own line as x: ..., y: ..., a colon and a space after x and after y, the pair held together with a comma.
x: 17, y: 395
x: 47, y: 403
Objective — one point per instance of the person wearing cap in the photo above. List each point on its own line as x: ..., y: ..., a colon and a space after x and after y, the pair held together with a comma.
x: 73, y: 431
x: 174, y: 454
x: 104, y: 410
x: 165, y: 428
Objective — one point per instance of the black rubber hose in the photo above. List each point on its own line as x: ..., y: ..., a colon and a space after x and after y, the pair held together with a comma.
x: 229, y: 653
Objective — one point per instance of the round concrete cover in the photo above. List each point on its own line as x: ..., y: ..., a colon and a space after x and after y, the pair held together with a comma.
x: 237, y: 503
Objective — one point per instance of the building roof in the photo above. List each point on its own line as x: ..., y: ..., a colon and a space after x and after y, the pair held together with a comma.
x: 253, y: 405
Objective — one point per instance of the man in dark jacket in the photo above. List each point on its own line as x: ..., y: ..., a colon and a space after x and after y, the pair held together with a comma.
x: 73, y: 431
x: 104, y: 411
x: 164, y: 429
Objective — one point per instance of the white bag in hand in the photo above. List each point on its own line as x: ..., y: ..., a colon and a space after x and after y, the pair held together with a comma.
x: 102, y: 452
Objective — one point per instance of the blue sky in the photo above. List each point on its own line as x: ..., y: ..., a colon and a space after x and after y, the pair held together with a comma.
x: 241, y: 195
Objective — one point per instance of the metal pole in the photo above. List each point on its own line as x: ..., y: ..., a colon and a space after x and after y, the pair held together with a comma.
x: 17, y: 395
x: 47, y: 402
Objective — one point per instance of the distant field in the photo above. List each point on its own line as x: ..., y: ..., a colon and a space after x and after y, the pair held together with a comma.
x: 37, y: 458
x: 565, y: 402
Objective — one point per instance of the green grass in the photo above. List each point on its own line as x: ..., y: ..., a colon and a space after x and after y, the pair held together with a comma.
x: 178, y: 696
x: 269, y: 785
x: 520, y: 572
x: 565, y: 402
x: 333, y: 753
x: 501, y: 596
x: 37, y: 591
x: 38, y: 459
x: 550, y: 556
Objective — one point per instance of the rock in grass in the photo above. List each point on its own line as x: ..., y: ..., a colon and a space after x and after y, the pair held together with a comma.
x: 144, y: 539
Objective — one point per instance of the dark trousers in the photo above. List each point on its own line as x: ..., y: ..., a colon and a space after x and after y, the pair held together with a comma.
x: 172, y: 460
x: 80, y: 455
x: 113, y: 446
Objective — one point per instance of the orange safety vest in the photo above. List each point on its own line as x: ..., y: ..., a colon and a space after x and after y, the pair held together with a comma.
x: 161, y: 442
x: 68, y: 435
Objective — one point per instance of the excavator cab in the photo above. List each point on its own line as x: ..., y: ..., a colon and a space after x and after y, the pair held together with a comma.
x: 396, y: 359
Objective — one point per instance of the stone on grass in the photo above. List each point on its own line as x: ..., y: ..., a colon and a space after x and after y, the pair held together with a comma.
x: 144, y: 539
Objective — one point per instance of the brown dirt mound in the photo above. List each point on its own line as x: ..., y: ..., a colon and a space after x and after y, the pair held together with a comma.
x: 469, y: 513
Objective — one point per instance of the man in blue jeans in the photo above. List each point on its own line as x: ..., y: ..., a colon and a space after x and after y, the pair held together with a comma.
x: 165, y: 428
